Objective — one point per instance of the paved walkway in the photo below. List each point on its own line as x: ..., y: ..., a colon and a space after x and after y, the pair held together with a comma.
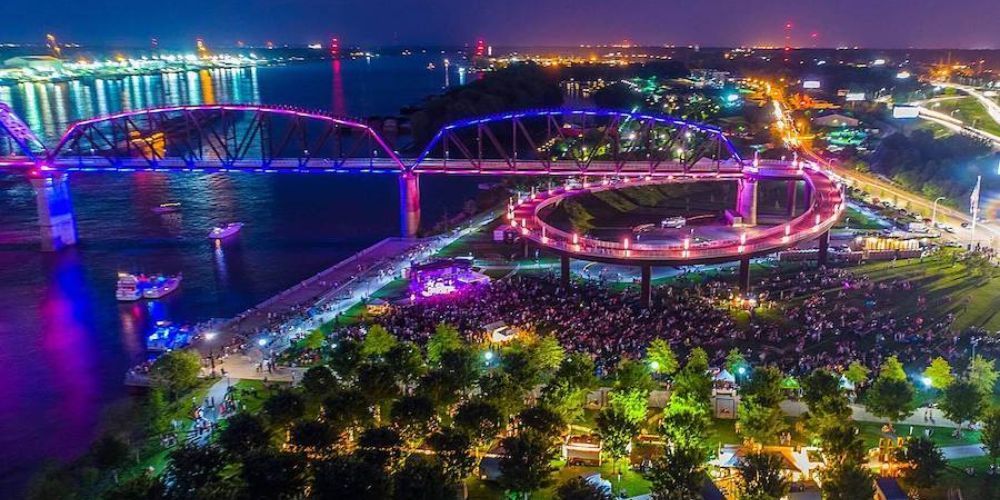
x: 859, y: 414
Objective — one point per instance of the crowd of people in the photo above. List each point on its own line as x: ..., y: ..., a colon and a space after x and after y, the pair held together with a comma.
x: 825, y: 318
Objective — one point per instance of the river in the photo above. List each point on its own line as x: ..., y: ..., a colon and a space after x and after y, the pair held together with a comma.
x: 65, y: 343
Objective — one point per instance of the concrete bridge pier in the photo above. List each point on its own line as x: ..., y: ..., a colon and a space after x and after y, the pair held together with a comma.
x: 793, y: 191
x: 55, y: 212
x: 409, y: 204
x: 564, y: 270
x: 744, y: 275
x: 746, y: 201
x: 646, y: 286
x: 824, y: 248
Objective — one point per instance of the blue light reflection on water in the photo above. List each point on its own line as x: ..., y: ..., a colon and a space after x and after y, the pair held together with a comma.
x: 65, y: 342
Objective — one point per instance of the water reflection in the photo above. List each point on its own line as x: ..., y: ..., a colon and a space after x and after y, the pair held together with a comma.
x: 48, y: 108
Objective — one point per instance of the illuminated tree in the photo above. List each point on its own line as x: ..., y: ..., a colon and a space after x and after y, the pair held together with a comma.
x: 856, y: 374
x: 962, y: 402
x: 445, y: 338
x: 939, y: 373
x: 892, y: 369
x: 661, y: 358
x: 176, y: 372
x: 983, y: 375
x: 377, y: 342
x: 890, y: 398
x: 991, y: 433
x: 735, y: 361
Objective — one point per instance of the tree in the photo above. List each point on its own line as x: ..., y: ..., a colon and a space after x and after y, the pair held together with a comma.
x: 284, y: 406
x: 414, y: 416
x: 347, y: 408
x: 176, y: 372
x: 319, y: 381
x: 890, y: 398
x: 842, y: 443
x: 617, y: 430
x: 192, y: 468
x: 962, y: 402
x: 822, y: 393
x: 526, y: 464
x: 377, y: 342
x: 445, y: 338
x: 762, y: 477
x: 678, y: 474
x: 661, y: 358
x: 406, y: 362
x: 631, y: 403
x: 578, y: 488
x: 272, y: 474
x: 991, y: 433
x: 480, y: 420
x: 939, y: 373
x: 547, y: 353
x: 422, y: 478
x: 687, y: 424
x: 631, y: 375
x: 315, y: 339
x: 856, y: 374
x: 377, y: 383
x: 764, y: 387
x: 925, y: 460
x: 313, y: 436
x: 567, y: 391
x: 350, y: 477
x: 848, y: 481
x: 504, y: 392
x: 542, y: 419
x: 892, y: 369
x: 382, y: 446
x: 452, y: 447
x: 983, y: 375
x: 760, y: 424
x: 693, y: 381
x: 345, y: 356
x: 736, y: 361
x: 243, y: 433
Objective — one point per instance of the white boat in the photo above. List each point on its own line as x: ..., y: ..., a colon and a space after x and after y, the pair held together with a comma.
x: 167, y: 208
x: 128, y: 288
x: 219, y: 233
x: 159, y: 286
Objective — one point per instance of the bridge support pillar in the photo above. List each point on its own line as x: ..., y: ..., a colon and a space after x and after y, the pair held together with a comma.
x: 746, y: 201
x: 564, y: 270
x: 409, y: 204
x: 793, y: 191
x: 745, y: 275
x: 824, y: 248
x: 807, y: 194
x: 646, y: 286
x: 55, y: 212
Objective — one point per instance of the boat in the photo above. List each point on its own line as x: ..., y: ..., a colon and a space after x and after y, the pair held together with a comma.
x: 128, y: 288
x: 167, y: 208
x: 431, y: 66
x: 219, y: 233
x: 159, y: 286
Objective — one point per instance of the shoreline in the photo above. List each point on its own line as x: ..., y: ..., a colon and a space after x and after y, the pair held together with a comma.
x: 245, y: 343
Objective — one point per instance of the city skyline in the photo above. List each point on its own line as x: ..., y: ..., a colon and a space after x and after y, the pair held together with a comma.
x: 515, y: 23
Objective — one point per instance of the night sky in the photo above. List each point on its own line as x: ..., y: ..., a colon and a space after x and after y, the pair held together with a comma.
x: 869, y: 23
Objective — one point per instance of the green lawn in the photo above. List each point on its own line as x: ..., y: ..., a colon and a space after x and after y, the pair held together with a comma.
x: 632, y: 483
x: 941, y: 436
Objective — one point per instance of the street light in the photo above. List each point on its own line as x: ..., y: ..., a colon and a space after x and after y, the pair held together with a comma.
x: 934, y: 211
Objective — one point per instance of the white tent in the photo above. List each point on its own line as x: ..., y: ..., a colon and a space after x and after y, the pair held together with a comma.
x: 724, y: 376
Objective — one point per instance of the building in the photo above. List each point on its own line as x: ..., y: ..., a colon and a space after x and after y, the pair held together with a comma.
x: 835, y: 120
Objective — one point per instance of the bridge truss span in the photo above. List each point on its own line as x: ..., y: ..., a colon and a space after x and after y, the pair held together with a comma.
x: 578, y: 142
x: 223, y: 137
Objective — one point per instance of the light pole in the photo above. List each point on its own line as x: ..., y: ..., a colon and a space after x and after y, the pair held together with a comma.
x: 934, y: 211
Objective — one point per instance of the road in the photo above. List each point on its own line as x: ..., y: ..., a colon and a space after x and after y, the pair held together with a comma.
x: 987, y: 233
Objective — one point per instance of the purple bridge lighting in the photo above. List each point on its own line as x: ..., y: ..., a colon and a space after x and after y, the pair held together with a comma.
x: 608, y: 146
